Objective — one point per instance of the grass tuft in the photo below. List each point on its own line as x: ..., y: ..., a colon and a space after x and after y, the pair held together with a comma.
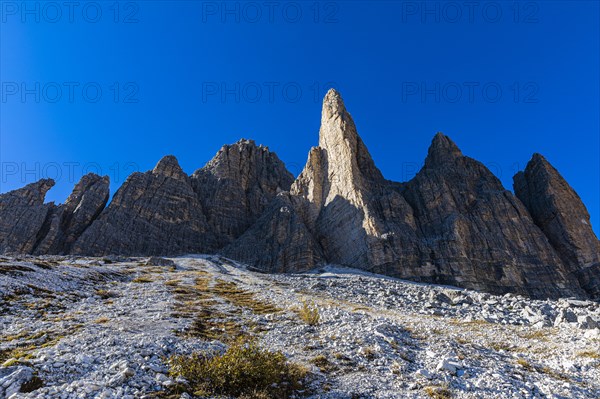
x: 323, y: 363
x: 525, y: 364
x: 106, y: 294
x: 141, y: 279
x: 590, y: 354
x: 309, y: 313
x: 438, y: 392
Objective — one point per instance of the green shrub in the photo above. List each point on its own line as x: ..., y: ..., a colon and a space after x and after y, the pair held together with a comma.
x: 243, y: 370
x: 309, y: 313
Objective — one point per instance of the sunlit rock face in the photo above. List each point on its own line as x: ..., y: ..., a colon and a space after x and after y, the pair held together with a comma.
x: 453, y: 223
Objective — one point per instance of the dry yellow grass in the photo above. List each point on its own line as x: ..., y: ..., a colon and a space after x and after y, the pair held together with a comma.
x: 309, y: 313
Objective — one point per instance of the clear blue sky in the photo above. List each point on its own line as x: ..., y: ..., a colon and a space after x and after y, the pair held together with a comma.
x: 503, y: 79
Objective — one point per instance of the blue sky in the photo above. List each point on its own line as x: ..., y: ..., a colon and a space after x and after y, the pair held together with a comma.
x: 90, y: 86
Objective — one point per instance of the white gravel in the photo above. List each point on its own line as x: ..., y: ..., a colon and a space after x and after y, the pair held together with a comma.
x: 103, y: 328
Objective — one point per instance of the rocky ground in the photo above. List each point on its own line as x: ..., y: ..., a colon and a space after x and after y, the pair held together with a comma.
x: 105, y: 327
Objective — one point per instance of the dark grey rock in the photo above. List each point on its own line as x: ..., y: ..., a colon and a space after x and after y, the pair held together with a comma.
x: 560, y: 214
x: 158, y: 261
x: 478, y: 234
x: 153, y: 213
x: 237, y: 185
x: 22, y: 215
x: 278, y: 242
x: 68, y: 221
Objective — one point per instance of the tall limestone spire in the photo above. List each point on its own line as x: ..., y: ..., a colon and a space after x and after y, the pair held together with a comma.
x: 341, y: 165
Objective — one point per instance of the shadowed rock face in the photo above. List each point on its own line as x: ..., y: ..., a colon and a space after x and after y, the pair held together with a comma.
x: 153, y: 213
x: 236, y: 186
x: 66, y: 222
x: 279, y: 241
x: 22, y: 215
x: 453, y: 223
x: 27, y: 225
x: 558, y: 211
x: 478, y: 234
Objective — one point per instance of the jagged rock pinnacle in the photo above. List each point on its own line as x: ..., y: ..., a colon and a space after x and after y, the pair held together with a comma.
x: 236, y: 186
x: 22, y: 215
x: 336, y: 122
x: 65, y: 223
x: 559, y: 212
x: 453, y: 223
x: 169, y: 166
x: 442, y: 150
x: 333, y: 103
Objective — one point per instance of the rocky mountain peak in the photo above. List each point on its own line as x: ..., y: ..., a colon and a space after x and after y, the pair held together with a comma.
x: 441, y: 150
x: 236, y: 186
x: 538, y: 158
x: 345, y: 163
x: 245, y: 142
x: 32, y: 194
x: 168, y: 166
x: 66, y: 222
x: 22, y: 216
x: 453, y: 223
x: 85, y: 184
x: 333, y: 103
x: 336, y: 123
x: 559, y: 212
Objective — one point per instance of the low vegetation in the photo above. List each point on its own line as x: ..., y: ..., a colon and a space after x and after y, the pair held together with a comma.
x: 244, y: 370
x: 309, y: 313
x: 438, y: 392
x: 141, y: 279
x: 211, y: 324
x: 589, y: 354
x: 324, y: 364
x: 106, y: 294
x: 538, y: 334
x: 242, y: 298
x: 525, y: 364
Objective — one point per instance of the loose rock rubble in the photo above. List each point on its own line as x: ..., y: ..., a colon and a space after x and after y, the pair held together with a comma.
x: 104, y: 328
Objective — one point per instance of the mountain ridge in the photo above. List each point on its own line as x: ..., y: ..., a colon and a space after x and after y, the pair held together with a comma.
x: 453, y: 223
